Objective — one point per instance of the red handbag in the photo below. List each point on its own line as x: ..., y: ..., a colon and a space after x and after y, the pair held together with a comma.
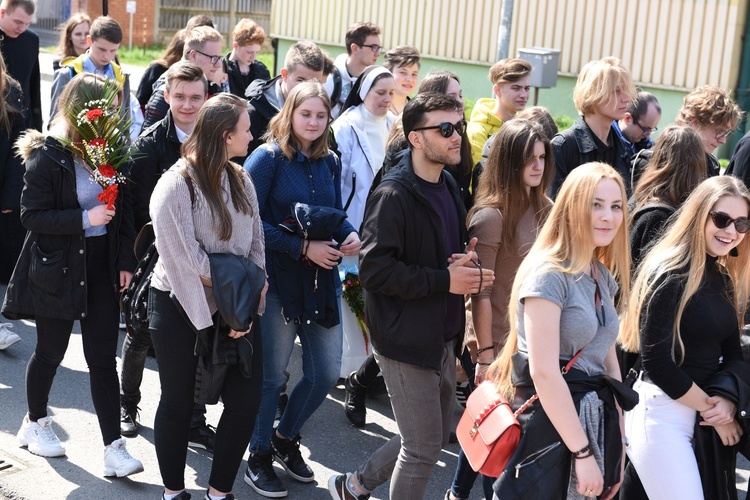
x: 489, y: 431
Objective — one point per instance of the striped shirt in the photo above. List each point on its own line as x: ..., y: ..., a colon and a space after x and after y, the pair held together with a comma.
x: 185, y: 236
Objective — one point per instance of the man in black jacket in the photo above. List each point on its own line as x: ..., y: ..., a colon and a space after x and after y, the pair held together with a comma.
x: 242, y: 66
x: 20, y: 50
x: 415, y: 275
x: 602, y: 94
x: 159, y: 149
x: 304, y: 61
x: 202, y: 47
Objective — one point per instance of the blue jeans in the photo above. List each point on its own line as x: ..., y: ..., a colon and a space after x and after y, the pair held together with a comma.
x: 321, y: 363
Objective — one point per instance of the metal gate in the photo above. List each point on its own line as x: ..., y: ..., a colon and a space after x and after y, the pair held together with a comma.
x: 50, y: 15
x: 174, y: 14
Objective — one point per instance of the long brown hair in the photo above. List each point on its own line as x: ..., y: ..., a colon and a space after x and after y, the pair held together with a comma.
x: 501, y: 185
x: 65, y: 48
x: 7, y: 110
x: 173, y: 52
x: 206, y: 154
x: 676, y: 167
x: 280, y: 128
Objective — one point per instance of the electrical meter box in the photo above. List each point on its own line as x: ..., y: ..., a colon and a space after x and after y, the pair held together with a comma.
x: 544, y: 63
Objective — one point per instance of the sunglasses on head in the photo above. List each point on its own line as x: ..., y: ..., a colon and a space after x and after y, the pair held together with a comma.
x: 446, y: 129
x: 722, y: 220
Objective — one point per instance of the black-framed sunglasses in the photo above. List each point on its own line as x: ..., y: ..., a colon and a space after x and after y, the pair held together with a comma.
x: 214, y: 59
x: 446, y: 129
x: 722, y: 220
x: 374, y: 47
x: 646, y: 131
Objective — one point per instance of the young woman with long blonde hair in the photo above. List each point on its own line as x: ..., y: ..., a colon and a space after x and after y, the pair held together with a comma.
x: 562, y: 305
x: 688, y: 302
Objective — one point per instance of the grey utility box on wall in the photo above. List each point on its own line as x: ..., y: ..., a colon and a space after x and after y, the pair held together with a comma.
x: 544, y: 63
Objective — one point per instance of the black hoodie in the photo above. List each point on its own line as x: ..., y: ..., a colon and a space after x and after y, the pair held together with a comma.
x: 404, y: 270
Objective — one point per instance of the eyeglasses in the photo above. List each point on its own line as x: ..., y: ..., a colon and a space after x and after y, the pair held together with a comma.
x: 646, y: 131
x: 446, y: 129
x: 722, y: 220
x: 722, y: 134
x: 214, y: 59
x: 374, y: 47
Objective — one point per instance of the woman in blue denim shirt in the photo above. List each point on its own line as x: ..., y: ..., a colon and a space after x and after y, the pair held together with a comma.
x: 295, y: 165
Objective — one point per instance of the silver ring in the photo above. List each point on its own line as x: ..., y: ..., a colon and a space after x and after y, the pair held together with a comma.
x: 589, y: 491
x: 737, y: 437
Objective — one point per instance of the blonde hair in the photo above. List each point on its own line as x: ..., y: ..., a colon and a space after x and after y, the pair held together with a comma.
x: 681, y: 253
x: 566, y: 244
x: 598, y: 83
x: 196, y: 39
x: 280, y: 129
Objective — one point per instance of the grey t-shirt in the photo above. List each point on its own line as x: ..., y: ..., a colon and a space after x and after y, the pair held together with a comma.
x: 579, y: 326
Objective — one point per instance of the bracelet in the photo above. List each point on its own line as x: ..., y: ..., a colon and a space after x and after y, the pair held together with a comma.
x: 581, y: 457
x: 306, y: 245
x: 480, y: 351
x: 483, y: 364
x: 585, y: 449
x: 626, y: 441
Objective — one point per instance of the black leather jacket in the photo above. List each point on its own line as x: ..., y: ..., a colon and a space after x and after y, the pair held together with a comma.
x: 159, y: 149
x: 577, y: 145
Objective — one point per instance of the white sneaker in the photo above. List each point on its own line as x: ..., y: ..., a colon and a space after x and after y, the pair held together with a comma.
x: 118, y: 462
x: 40, y: 438
x: 7, y: 338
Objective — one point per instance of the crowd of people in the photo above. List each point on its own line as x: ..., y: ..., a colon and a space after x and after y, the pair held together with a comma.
x: 400, y: 242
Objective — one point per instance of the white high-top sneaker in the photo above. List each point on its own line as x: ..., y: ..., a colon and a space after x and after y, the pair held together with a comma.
x: 118, y: 462
x: 40, y: 438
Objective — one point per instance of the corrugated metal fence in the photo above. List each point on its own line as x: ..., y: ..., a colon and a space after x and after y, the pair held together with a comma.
x: 675, y: 44
x: 174, y: 14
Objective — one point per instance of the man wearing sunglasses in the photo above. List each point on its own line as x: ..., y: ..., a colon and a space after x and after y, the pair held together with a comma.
x: 415, y: 269
x: 363, y: 48
x: 203, y: 47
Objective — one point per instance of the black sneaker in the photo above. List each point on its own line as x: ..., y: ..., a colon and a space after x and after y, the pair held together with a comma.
x: 261, y: 477
x: 354, y: 401
x: 229, y: 496
x: 182, y: 496
x: 202, y: 437
x: 280, y: 408
x: 338, y: 490
x: 287, y: 454
x: 129, y: 421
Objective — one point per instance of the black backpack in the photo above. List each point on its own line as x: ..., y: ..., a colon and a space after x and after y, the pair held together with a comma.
x: 134, y: 301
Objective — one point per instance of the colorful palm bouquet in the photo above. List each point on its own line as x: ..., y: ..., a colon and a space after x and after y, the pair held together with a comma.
x: 105, y: 145
x: 355, y: 299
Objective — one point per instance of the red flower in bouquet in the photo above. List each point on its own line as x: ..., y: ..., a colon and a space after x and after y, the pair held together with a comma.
x: 93, y: 114
x: 107, y: 170
x: 97, y: 142
x: 109, y: 195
